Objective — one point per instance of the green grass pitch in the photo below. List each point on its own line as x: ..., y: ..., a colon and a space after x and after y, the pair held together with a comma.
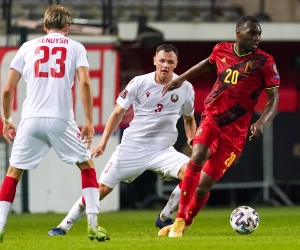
x: 130, y: 230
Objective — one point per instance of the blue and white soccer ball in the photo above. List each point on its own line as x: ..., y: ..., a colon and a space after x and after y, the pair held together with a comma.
x: 244, y: 220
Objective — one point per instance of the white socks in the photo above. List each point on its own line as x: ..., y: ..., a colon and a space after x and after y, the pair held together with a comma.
x: 92, y: 220
x: 4, y: 210
x: 172, y: 205
x: 76, y: 212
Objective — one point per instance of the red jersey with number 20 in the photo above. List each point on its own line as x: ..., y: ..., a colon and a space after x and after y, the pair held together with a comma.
x: 241, y: 78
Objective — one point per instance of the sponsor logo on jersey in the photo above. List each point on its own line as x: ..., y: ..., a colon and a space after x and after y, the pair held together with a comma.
x: 174, y: 98
x: 223, y: 60
x: 123, y: 94
x: 147, y: 94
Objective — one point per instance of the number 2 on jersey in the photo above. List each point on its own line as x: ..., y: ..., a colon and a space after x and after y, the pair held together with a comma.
x: 59, y: 61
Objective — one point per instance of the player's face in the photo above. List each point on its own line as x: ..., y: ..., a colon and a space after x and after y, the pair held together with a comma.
x: 248, y: 37
x: 165, y: 63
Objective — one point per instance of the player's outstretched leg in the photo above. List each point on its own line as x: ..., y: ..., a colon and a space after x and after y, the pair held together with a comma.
x: 76, y: 212
x: 99, y: 234
x: 165, y: 217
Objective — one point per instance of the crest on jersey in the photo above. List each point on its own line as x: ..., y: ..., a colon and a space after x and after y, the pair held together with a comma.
x: 147, y: 94
x: 174, y: 98
x: 248, y: 67
x: 123, y: 94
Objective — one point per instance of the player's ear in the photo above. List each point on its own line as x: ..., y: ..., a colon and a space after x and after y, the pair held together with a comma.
x: 154, y: 60
x: 175, y: 65
x: 45, y: 29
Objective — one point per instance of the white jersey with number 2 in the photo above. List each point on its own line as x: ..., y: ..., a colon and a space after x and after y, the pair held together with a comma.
x: 48, y: 65
x: 155, y: 116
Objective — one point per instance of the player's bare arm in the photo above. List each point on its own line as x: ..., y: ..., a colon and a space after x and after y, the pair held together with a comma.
x: 200, y: 68
x: 111, y: 126
x: 86, y: 92
x: 257, y: 128
x: 190, y: 127
x: 9, y: 128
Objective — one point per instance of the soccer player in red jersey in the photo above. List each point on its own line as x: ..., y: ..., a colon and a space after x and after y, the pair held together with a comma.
x: 243, y: 72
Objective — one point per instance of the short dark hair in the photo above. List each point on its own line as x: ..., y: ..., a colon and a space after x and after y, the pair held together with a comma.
x: 245, y: 19
x: 167, y: 48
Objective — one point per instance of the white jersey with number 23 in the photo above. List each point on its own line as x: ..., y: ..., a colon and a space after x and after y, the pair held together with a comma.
x: 49, y: 63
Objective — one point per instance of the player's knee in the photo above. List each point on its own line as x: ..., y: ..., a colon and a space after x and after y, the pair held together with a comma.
x: 200, y: 154
x: 202, y: 190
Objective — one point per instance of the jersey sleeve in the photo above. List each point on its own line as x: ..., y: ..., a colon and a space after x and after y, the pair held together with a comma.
x: 188, y: 106
x: 81, y: 60
x: 212, y: 57
x: 18, y: 62
x: 270, y: 74
x: 128, y: 95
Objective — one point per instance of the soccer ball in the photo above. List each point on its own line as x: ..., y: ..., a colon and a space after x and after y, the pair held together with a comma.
x: 244, y: 220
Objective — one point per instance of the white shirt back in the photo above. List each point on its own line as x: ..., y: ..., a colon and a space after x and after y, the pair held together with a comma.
x: 155, y: 117
x: 48, y: 65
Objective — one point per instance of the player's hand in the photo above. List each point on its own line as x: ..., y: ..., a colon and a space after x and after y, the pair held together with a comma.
x: 87, y: 133
x: 256, y: 130
x: 174, y: 84
x: 99, y: 150
x: 9, y: 132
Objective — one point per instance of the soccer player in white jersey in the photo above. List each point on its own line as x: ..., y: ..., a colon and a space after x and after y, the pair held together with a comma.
x: 147, y: 144
x: 48, y: 66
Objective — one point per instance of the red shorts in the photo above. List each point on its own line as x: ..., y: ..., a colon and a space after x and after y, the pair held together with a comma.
x: 224, y: 149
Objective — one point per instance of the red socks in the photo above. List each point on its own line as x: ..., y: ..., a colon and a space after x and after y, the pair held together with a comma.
x: 196, y: 205
x: 88, y: 177
x: 189, y: 185
x: 8, y: 189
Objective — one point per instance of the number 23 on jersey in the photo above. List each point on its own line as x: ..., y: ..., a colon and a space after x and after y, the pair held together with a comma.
x: 60, y: 61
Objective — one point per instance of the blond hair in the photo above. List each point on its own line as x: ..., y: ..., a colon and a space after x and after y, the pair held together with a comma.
x: 57, y: 17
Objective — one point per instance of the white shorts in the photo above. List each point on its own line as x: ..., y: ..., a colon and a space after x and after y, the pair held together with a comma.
x: 35, y: 136
x: 126, y: 164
